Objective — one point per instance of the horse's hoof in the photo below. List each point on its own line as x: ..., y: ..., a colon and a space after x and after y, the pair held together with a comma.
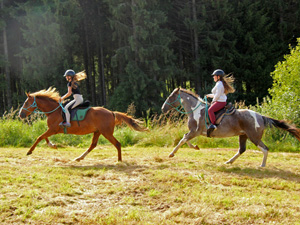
x: 171, y: 155
x: 52, y: 145
x: 29, y: 153
x: 77, y: 159
x: 197, y: 148
x: 228, y: 162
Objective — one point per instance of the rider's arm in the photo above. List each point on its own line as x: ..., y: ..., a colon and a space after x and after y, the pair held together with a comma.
x: 68, y: 94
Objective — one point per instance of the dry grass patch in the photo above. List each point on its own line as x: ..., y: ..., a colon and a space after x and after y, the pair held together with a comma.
x: 195, y: 187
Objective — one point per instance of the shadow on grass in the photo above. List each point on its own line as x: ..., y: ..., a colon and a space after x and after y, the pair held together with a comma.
x: 261, y: 173
x: 123, y: 167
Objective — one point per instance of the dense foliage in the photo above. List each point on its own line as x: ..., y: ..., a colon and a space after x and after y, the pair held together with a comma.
x: 137, y: 51
x: 285, y: 91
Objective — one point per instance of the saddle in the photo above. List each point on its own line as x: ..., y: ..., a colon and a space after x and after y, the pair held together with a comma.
x: 227, y: 110
x: 79, y: 112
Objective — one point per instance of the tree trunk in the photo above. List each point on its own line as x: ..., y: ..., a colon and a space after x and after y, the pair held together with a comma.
x: 6, y: 69
x: 196, y: 49
x: 133, y: 4
x: 89, y: 70
x: 101, y: 86
x: 102, y: 90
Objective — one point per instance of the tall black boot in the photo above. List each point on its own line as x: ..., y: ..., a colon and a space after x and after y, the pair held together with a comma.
x: 210, y: 129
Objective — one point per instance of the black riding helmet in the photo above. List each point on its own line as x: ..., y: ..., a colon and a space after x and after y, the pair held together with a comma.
x: 218, y: 72
x: 69, y: 73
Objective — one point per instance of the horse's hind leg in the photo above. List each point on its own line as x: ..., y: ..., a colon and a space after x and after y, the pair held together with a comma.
x: 92, y: 146
x: 242, y: 149
x: 45, y: 135
x: 115, y: 142
x: 257, y: 141
x: 265, y: 151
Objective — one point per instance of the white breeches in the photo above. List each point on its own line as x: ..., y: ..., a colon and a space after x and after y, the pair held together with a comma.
x: 78, y: 99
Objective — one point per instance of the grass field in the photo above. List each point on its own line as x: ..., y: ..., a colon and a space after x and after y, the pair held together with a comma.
x: 194, y: 187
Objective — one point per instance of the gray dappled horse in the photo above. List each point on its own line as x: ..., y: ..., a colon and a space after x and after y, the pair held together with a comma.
x: 244, y: 123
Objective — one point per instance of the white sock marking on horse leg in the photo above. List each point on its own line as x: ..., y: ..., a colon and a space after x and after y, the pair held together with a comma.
x: 51, y: 145
x: 265, y: 152
x: 181, y: 142
x: 83, y: 155
x: 230, y: 161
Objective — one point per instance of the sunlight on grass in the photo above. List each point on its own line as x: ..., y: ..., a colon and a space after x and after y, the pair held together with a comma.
x: 194, y: 187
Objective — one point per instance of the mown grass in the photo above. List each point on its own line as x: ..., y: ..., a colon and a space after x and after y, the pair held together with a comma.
x: 194, y: 187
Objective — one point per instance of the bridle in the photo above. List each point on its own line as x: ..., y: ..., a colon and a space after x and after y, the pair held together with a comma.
x: 180, y: 105
x: 207, y: 120
x: 34, y: 105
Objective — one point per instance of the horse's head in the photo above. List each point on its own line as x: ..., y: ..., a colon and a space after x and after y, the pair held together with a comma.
x: 172, y: 101
x: 28, y: 107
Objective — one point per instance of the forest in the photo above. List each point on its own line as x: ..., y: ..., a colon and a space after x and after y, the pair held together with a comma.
x: 136, y: 52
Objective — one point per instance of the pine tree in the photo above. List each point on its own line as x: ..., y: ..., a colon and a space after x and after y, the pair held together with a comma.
x: 143, y: 59
x: 49, y: 43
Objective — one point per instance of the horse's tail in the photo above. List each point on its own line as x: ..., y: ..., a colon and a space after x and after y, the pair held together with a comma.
x: 131, y: 122
x: 283, y: 125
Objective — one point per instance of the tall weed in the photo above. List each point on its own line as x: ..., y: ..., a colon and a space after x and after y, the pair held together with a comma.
x: 166, y: 130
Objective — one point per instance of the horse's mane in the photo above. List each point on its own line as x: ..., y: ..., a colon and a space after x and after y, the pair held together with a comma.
x: 51, y: 93
x: 191, y: 93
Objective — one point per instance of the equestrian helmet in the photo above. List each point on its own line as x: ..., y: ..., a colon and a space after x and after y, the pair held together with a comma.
x: 69, y: 73
x: 218, y: 72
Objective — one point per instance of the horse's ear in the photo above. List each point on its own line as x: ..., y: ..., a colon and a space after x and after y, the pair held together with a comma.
x: 27, y: 93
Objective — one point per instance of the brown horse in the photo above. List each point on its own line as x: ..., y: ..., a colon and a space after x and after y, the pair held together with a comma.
x: 98, y: 120
x: 244, y: 123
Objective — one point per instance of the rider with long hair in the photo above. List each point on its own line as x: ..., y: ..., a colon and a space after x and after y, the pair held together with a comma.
x: 222, y: 88
x: 73, y: 88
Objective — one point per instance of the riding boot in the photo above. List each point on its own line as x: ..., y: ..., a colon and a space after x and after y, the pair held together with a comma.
x: 67, y: 124
x: 64, y: 124
x: 210, y: 129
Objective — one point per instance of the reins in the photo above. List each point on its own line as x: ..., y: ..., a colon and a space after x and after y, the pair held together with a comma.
x: 207, y: 119
x: 206, y: 113
x: 34, y: 104
x: 180, y: 105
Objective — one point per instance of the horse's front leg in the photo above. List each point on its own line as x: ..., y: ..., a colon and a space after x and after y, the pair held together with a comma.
x: 92, y: 146
x: 50, y: 144
x: 192, y: 146
x: 45, y: 135
x: 242, y: 149
x: 185, y: 139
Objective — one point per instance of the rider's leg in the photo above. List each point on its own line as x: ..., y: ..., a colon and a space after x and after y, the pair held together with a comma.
x: 211, y: 112
x: 67, y: 123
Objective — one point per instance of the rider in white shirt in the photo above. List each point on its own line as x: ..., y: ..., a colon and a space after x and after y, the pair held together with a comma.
x: 222, y: 87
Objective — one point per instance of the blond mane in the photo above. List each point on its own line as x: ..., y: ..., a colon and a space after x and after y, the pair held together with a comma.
x: 51, y: 93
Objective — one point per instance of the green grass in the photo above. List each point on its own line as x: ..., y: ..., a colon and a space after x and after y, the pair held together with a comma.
x: 194, y: 187
x: 165, y: 131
